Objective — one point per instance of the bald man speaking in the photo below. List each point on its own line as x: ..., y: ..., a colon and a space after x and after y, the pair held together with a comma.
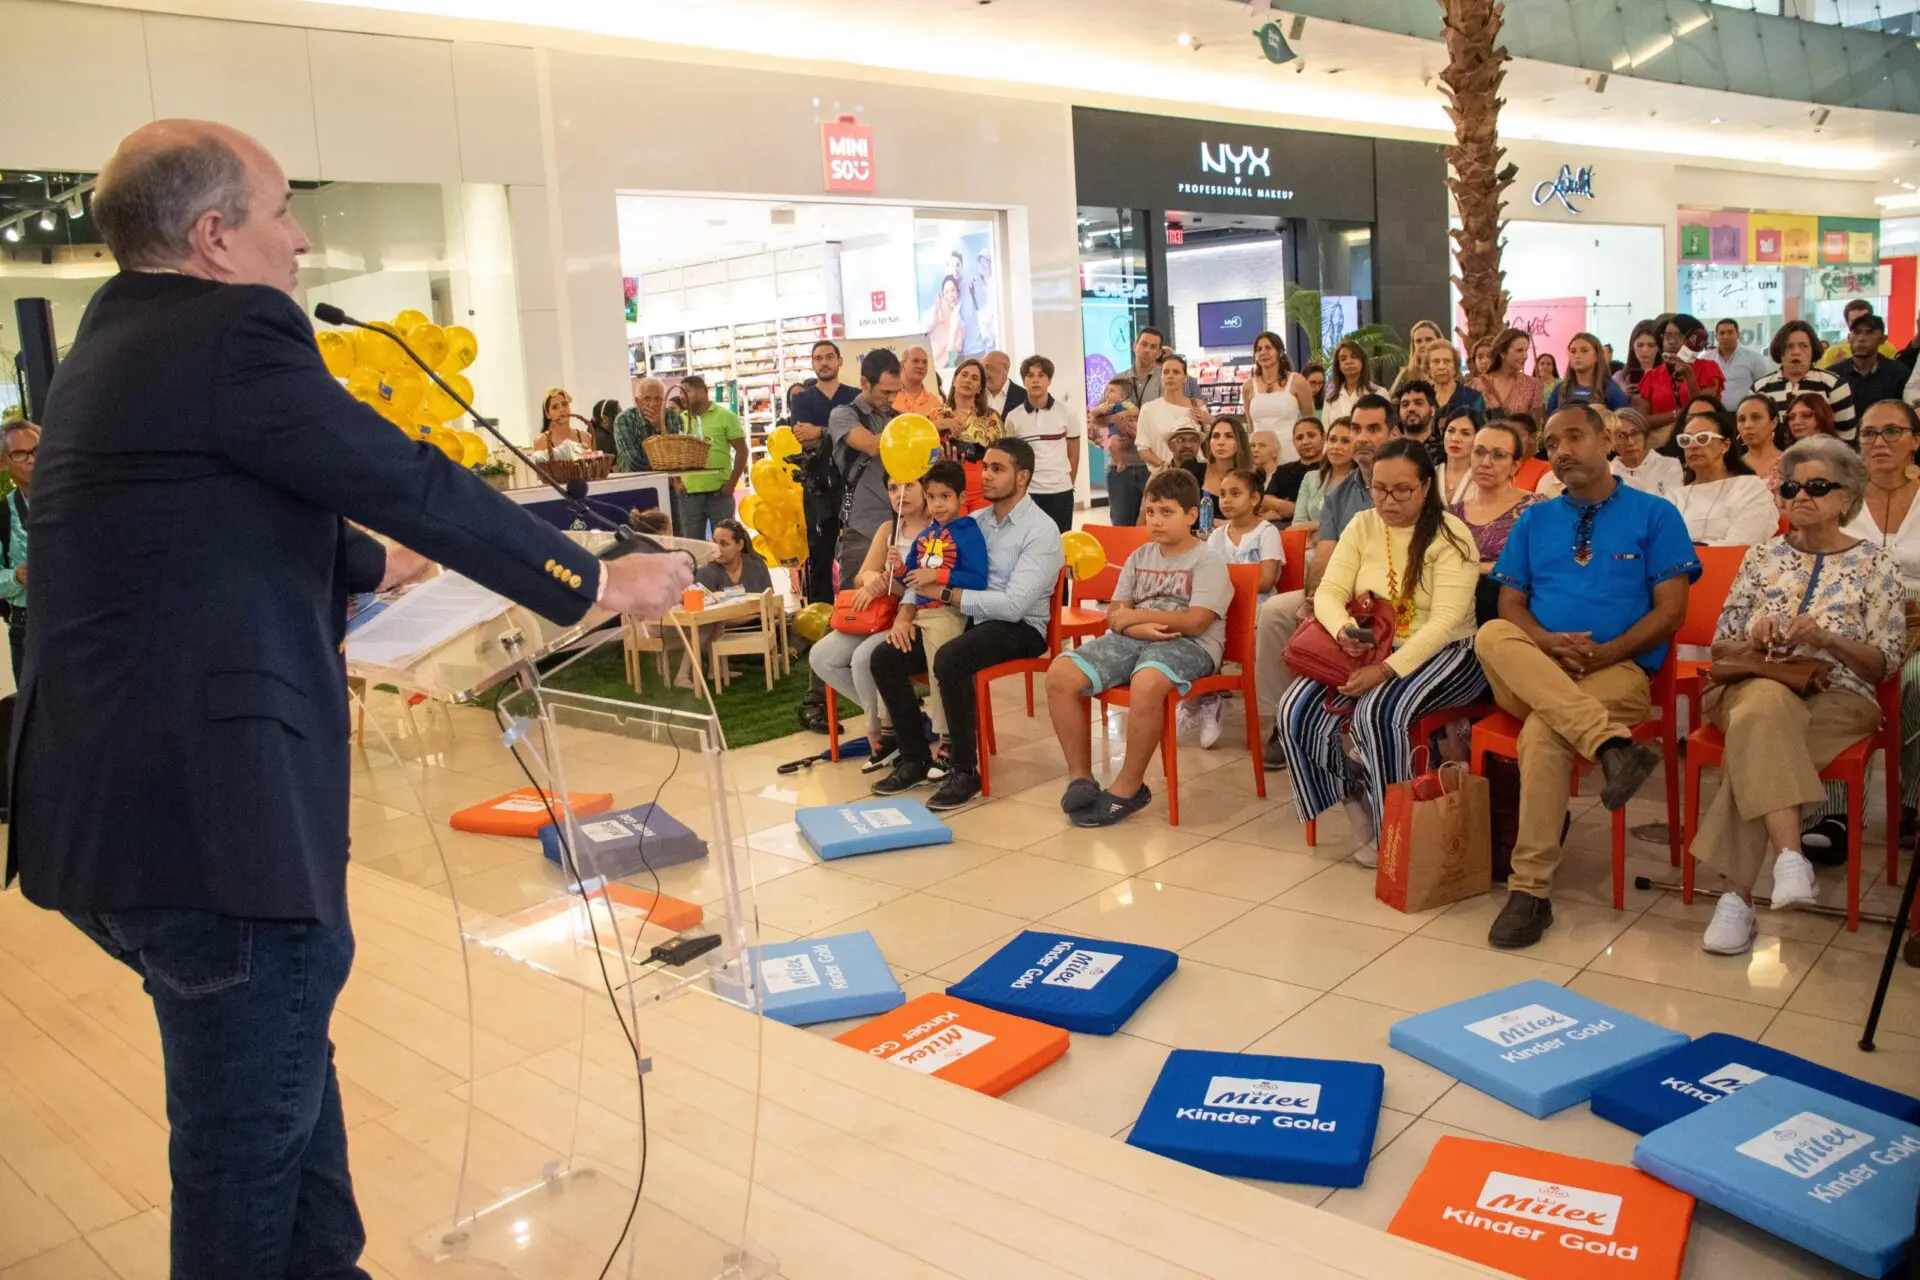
x: 180, y: 743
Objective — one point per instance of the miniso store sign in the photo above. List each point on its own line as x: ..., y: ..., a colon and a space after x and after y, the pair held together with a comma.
x: 1229, y: 170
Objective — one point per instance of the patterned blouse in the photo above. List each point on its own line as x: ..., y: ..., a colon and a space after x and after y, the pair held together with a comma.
x: 1491, y: 537
x: 1856, y: 594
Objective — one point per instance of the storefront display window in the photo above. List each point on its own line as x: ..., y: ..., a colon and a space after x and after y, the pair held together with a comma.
x: 1115, y: 303
x: 1763, y: 269
x: 1565, y: 278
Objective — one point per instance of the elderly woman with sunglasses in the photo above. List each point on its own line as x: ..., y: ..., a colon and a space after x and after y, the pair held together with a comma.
x: 1723, y: 502
x: 1817, y: 592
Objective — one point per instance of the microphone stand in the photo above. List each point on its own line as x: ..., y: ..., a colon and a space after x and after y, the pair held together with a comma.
x: 627, y: 540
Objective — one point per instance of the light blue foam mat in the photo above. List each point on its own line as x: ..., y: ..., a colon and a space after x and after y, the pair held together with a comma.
x: 1080, y: 984
x: 1826, y: 1174
x: 1246, y: 1115
x: 1534, y: 1045
x: 1718, y: 1065
x: 870, y: 826
x: 820, y: 979
x: 626, y: 842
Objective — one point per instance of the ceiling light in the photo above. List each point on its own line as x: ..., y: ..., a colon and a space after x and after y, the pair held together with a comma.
x: 1184, y: 39
x: 12, y: 233
x: 1715, y: 120
x: 76, y: 208
x: 46, y: 221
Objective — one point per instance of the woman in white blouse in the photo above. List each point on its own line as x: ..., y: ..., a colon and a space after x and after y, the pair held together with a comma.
x: 1723, y: 502
x: 1348, y: 378
x: 1633, y: 462
x: 1174, y: 409
x: 1455, y: 472
x: 1275, y: 397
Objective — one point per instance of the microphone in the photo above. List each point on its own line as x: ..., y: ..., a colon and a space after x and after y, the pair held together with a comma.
x: 627, y: 540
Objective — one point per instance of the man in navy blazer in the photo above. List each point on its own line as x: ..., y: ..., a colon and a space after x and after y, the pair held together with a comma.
x: 180, y: 757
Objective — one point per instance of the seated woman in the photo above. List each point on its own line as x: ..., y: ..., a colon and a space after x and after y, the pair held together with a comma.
x: 1759, y: 429
x: 1284, y: 480
x: 1815, y: 592
x: 556, y: 412
x: 1492, y: 506
x: 1407, y: 550
x: 1336, y: 460
x: 735, y: 563
x: 844, y: 661
x: 1724, y: 503
x: 1637, y: 464
x: 1809, y: 414
x: 1455, y: 472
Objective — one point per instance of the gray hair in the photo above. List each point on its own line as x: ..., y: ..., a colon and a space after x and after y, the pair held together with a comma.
x: 148, y: 202
x: 1848, y: 467
x: 19, y: 424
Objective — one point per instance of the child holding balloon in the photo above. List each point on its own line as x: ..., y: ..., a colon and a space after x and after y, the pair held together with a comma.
x: 949, y: 552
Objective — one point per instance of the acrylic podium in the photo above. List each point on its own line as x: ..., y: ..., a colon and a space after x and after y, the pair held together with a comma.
x: 591, y: 1067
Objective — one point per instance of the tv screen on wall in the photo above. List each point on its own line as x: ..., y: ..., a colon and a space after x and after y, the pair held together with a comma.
x: 1232, y: 324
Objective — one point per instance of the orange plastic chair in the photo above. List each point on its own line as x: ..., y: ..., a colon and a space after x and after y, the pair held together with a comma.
x: 1076, y: 623
x: 1028, y: 667
x: 1499, y: 735
x: 1424, y: 729
x: 1532, y: 472
x: 1706, y: 600
x: 1293, y: 574
x: 1706, y: 747
x: 1239, y: 648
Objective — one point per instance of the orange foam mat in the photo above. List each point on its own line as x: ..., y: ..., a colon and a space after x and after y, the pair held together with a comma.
x: 524, y: 812
x: 1537, y: 1214
x: 964, y: 1043
x: 660, y: 911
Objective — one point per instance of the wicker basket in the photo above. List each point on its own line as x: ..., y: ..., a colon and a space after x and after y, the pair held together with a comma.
x: 677, y: 452
x: 565, y: 469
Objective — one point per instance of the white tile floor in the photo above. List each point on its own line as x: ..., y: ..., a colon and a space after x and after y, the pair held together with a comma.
x: 1284, y: 948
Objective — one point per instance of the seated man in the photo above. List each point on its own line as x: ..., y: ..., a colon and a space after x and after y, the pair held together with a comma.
x: 1007, y: 620
x: 1593, y: 585
x: 1166, y: 629
x: 1280, y: 616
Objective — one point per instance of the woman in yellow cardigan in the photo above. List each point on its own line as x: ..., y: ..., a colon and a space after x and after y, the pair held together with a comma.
x: 1411, y: 553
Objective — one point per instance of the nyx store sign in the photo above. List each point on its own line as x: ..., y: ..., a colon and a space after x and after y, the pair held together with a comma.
x: 1238, y: 165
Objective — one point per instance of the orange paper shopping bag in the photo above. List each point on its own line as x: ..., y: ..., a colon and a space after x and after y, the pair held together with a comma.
x: 1435, y: 839
x: 1544, y: 1216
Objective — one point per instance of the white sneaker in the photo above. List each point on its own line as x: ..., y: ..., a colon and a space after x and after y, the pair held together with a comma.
x: 1183, y: 718
x: 1367, y: 855
x: 1732, y: 929
x: 1212, y: 716
x: 1366, y: 836
x: 1793, y: 882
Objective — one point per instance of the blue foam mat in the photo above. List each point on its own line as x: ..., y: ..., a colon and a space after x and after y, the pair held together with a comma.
x: 870, y: 826
x: 1827, y: 1174
x: 626, y: 842
x: 821, y: 979
x: 1247, y: 1115
x: 1717, y: 1066
x: 1080, y: 984
x: 1534, y: 1045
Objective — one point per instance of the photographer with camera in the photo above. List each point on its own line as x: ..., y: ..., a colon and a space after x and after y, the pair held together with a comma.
x: 810, y: 409
x: 854, y: 428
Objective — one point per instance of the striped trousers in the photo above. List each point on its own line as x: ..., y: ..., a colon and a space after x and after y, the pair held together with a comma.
x: 1381, y: 727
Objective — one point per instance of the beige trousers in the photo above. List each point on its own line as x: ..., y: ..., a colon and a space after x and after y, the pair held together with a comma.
x: 937, y: 626
x: 1565, y: 718
x: 1777, y: 744
x: 1278, y: 619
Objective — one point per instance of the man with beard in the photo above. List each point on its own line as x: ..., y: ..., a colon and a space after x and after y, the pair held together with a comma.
x: 1418, y: 404
x: 1593, y: 585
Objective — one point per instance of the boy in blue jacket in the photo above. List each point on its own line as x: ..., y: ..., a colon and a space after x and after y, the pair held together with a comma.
x: 950, y: 552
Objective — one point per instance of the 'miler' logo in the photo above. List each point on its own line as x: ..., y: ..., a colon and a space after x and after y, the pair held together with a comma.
x: 1517, y: 1026
x: 1805, y: 1144
x: 1243, y: 1094
x: 1550, y: 1202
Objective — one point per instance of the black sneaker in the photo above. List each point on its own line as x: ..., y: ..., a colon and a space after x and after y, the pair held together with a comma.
x: 1625, y: 768
x: 959, y: 789
x: 881, y: 757
x: 1521, y: 922
x: 1825, y: 842
x: 1275, y: 756
x: 907, y: 774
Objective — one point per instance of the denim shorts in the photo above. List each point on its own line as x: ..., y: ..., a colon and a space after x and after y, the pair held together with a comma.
x: 1112, y: 660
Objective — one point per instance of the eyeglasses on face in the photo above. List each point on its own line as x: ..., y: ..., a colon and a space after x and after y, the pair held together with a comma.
x: 22, y: 455
x: 1818, y: 487
x: 1397, y: 492
x: 1890, y: 434
x: 1483, y: 454
x: 1701, y: 438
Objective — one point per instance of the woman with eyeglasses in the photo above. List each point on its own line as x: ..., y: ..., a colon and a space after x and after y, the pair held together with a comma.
x: 1723, y: 502
x: 1818, y: 592
x: 1637, y: 465
x: 1336, y: 462
x: 1495, y: 501
x: 1890, y: 519
x: 1759, y: 427
x: 1409, y: 552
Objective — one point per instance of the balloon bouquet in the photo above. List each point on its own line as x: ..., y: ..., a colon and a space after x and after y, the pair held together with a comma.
x: 773, y: 510
x: 379, y: 374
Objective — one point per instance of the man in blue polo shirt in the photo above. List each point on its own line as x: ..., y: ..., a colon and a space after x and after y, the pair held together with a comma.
x: 1593, y: 585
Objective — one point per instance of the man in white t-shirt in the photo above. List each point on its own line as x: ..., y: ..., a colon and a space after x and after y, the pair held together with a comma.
x: 1054, y: 431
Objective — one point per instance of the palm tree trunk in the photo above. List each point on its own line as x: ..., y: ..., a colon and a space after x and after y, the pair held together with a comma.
x: 1471, y: 83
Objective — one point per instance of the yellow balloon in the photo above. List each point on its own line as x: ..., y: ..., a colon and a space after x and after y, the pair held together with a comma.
x: 404, y: 323
x: 404, y: 388
x: 813, y: 622
x: 336, y: 350
x: 473, y: 448
x: 769, y: 477
x: 783, y: 444
x: 1085, y: 556
x: 462, y: 349
x: 448, y: 442
x: 908, y: 446
x: 441, y: 405
x: 376, y: 350
x: 764, y: 548
x: 750, y: 510
x: 429, y: 342
x: 363, y: 384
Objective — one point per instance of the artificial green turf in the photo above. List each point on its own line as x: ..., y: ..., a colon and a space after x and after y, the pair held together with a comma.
x: 749, y: 712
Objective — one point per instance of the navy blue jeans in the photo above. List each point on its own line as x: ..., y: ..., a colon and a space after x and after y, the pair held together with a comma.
x: 259, y: 1147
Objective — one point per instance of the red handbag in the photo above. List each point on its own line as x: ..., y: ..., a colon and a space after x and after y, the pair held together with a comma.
x: 875, y: 618
x: 1315, y: 654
